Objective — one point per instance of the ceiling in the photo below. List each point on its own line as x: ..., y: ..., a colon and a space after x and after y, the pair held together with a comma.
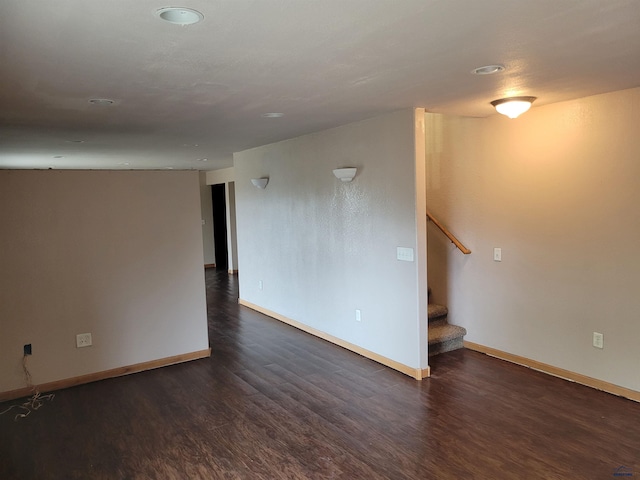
x: 187, y: 97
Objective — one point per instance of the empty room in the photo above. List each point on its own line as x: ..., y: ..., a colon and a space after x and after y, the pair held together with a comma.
x: 279, y: 239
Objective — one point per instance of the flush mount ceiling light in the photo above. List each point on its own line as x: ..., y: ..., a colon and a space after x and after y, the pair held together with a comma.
x: 102, y: 102
x: 273, y: 115
x: 488, y: 69
x: 179, y: 15
x: 513, y: 107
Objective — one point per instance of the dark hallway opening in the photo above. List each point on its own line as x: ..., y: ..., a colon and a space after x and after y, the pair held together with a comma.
x: 220, y: 225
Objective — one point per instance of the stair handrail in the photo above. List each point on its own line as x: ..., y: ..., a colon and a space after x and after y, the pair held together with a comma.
x: 449, y: 235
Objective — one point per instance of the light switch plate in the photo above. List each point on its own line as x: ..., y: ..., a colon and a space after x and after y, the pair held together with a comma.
x: 405, y: 254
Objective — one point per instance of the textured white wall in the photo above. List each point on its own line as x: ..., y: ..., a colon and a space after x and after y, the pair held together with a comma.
x: 232, y: 230
x: 207, y: 215
x: 323, y: 248
x: 557, y: 190
x: 223, y: 175
x: 116, y: 254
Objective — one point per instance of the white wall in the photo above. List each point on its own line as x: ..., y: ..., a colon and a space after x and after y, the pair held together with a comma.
x: 223, y: 175
x: 116, y: 254
x: 207, y: 217
x: 557, y: 190
x: 232, y: 230
x: 323, y: 248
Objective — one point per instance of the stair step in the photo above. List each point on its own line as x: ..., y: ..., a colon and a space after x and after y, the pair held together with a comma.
x: 445, y: 332
x: 445, y: 337
x: 436, y: 312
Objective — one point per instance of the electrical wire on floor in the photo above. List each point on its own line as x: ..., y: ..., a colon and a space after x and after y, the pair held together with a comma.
x: 32, y: 403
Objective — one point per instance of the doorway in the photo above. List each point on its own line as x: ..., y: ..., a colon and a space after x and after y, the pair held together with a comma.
x: 219, y: 205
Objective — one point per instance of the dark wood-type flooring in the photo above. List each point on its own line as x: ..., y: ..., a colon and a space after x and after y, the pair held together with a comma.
x: 273, y: 402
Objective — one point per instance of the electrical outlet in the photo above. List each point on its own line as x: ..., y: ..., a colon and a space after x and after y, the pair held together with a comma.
x: 497, y: 254
x: 598, y: 340
x: 260, y: 285
x: 358, y: 316
x: 83, y: 340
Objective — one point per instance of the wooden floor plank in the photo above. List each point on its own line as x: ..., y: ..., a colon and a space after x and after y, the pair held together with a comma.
x: 273, y: 402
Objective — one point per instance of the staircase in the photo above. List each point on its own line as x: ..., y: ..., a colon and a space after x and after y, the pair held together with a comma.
x: 443, y: 337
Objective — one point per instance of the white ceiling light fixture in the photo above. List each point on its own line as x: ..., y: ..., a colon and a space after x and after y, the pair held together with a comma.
x: 488, y: 69
x: 101, y: 102
x: 273, y: 115
x: 180, y: 15
x: 513, y: 107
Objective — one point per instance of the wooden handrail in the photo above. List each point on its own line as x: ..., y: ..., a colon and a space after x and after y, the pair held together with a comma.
x: 449, y: 235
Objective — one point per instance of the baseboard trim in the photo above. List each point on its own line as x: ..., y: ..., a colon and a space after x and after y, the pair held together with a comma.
x: 557, y: 372
x: 233, y: 272
x: 114, y: 372
x: 416, y: 373
x: 209, y: 265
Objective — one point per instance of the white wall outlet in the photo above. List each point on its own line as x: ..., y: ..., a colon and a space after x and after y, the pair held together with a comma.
x: 260, y: 284
x: 598, y: 340
x: 358, y: 316
x: 83, y: 340
x: 497, y: 254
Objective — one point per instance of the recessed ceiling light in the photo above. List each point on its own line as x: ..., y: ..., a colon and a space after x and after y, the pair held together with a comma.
x: 273, y: 115
x: 103, y: 102
x: 123, y: 163
x: 203, y: 159
x: 168, y: 168
x: 488, y: 69
x: 58, y: 156
x: 180, y: 15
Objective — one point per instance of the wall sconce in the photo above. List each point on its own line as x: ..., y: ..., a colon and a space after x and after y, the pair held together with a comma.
x: 345, y: 174
x: 513, y: 107
x: 260, y: 182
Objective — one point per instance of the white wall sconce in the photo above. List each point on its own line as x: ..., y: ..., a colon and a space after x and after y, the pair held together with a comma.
x: 513, y: 107
x: 345, y: 174
x: 260, y: 182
